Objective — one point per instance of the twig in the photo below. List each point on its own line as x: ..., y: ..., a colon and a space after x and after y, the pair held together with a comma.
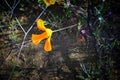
x: 12, y: 8
x: 8, y: 5
x: 14, y: 3
x: 35, y: 20
x: 65, y: 28
x: 13, y: 69
x: 20, y: 25
x: 26, y: 33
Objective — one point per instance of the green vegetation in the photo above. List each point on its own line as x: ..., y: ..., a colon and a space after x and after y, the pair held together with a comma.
x: 88, y: 24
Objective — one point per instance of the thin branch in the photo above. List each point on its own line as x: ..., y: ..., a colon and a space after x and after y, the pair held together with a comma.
x: 14, y: 3
x: 8, y: 5
x: 65, y: 28
x: 20, y: 25
x: 13, y: 69
x: 12, y: 8
x: 35, y: 20
x: 22, y: 45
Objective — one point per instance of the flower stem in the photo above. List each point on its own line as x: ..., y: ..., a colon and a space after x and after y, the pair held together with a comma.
x: 65, y: 28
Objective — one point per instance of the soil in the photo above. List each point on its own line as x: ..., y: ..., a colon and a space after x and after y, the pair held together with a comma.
x: 62, y: 63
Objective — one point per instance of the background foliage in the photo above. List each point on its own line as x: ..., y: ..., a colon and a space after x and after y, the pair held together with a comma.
x: 101, y: 18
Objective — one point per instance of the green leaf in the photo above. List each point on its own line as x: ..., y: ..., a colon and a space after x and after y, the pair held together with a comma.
x: 97, y: 32
x: 39, y: 1
x: 79, y: 25
x: 15, y: 37
x: 14, y: 64
x: 21, y: 9
x: 113, y: 44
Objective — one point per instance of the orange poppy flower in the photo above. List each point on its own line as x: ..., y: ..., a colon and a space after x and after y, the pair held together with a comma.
x: 37, y: 38
x: 49, y: 2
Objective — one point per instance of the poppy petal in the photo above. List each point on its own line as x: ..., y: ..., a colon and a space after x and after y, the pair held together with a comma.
x: 47, y: 46
x: 36, y: 38
x: 40, y: 25
x: 49, y: 2
x: 49, y: 32
x: 52, y: 1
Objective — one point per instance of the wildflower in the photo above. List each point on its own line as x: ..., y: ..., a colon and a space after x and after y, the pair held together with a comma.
x: 68, y: 3
x: 39, y: 5
x: 83, y: 31
x: 49, y: 2
x: 37, y: 38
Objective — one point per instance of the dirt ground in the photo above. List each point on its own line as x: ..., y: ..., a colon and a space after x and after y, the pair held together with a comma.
x: 62, y: 63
